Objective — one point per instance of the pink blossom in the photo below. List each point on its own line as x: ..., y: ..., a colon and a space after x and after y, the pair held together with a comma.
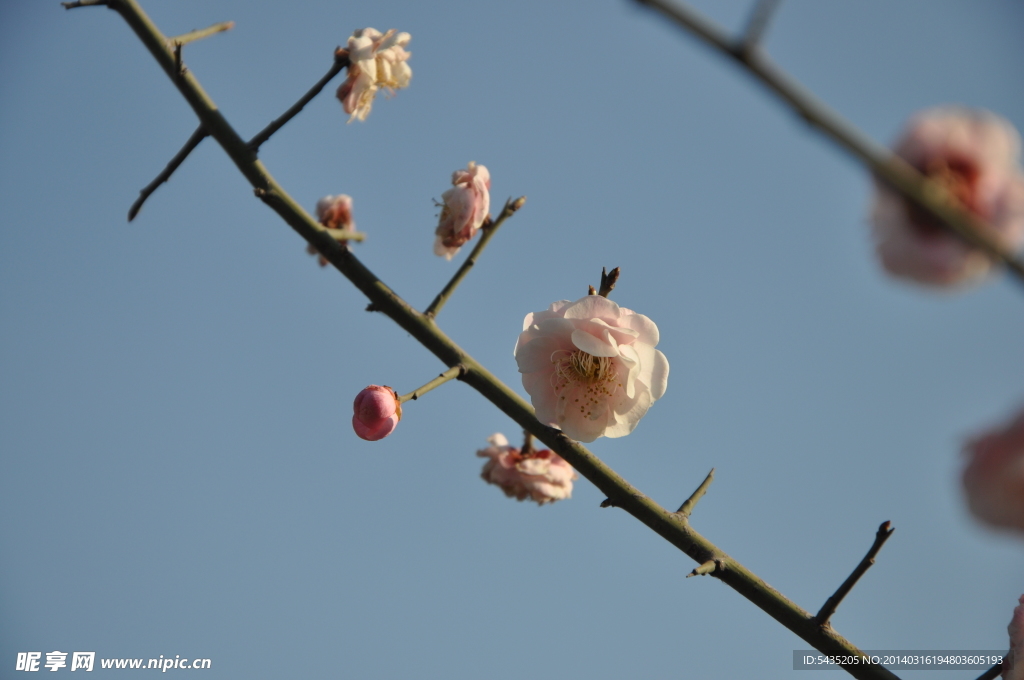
x: 465, y: 207
x: 376, y: 60
x: 1013, y: 664
x: 376, y: 412
x: 975, y: 155
x: 542, y: 476
x: 994, y: 476
x: 333, y: 212
x: 590, y: 367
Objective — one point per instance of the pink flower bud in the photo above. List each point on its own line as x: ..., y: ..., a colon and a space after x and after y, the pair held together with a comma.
x: 465, y: 207
x: 994, y: 476
x: 333, y: 212
x: 542, y: 476
x: 376, y: 412
x: 974, y: 154
x: 1013, y: 665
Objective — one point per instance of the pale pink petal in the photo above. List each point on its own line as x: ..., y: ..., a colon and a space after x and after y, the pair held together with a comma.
x: 597, y: 347
x: 545, y: 401
x: 590, y: 307
x: 536, y: 355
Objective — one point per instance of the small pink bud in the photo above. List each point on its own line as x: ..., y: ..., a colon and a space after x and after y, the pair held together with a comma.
x: 333, y: 212
x: 376, y: 412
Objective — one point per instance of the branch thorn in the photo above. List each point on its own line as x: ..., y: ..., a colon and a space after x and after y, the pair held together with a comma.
x: 690, y: 503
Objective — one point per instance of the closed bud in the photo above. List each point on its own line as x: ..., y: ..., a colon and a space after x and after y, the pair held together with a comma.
x: 376, y: 412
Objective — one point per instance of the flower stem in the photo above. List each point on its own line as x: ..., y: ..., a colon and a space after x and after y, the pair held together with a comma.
x: 928, y: 194
x: 450, y: 374
x: 487, y: 233
x: 528, y: 447
x: 340, y: 62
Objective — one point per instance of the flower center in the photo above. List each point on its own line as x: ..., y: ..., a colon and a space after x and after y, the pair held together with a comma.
x: 582, y: 367
x: 960, y: 177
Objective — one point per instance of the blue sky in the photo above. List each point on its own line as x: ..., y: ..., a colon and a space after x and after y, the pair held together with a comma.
x: 179, y: 475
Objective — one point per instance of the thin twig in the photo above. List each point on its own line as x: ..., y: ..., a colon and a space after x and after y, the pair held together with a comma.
x: 178, y: 159
x: 608, y: 281
x: 340, y: 62
x: 451, y: 374
x: 688, y: 505
x: 487, y: 232
x: 760, y: 16
x: 83, y: 3
x: 929, y: 195
x: 992, y: 673
x: 829, y: 608
x: 201, y: 33
x: 423, y: 328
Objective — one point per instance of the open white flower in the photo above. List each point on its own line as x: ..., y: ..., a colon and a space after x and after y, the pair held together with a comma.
x: 590, y: 367
x: 376, y: 60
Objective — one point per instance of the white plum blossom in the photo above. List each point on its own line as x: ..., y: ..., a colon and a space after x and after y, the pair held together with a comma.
x: 542, y: 476
x: 590, y: 367
x: 975, y: 155
x: 465, y: 207
x: 376, y: 60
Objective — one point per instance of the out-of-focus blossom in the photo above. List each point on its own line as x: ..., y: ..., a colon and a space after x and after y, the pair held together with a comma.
x: 376, y: 60
x: 590, y: 367
x: 334, y: 212
x: 465, y: 207
x: 1013, y: 664
x: 376, y: 412
x: 994, y: 476
x: 542, y: 476
x: 975, y: 155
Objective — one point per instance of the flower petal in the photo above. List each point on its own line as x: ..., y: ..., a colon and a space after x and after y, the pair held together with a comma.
x: 592, y: 306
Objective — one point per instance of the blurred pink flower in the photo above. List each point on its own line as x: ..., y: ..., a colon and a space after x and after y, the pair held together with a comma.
x: 590, y: 367
x: 465, y: 207
x: 376, y: 412
x: 994, y: 476
x: 975, y: 155
x: 1013, y: 665
x: 542, y: 476
x: 376, y: 60
x: 334, y: 212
